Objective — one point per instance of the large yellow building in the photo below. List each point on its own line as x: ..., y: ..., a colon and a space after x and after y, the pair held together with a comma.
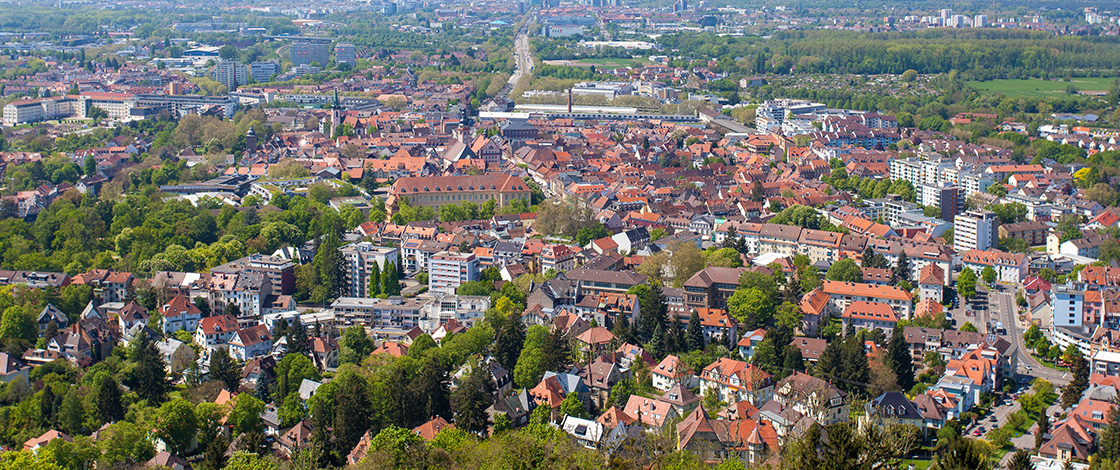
x: 435, y: 191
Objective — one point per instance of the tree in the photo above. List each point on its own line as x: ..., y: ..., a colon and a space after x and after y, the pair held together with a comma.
x: 757, y: 193
x: 248, y: 461
x: 215, y: 456
x: 1021, y: 460
x: 430, y: 389
x: 988, y: 274
x: 685, y: 261
x: 793, y: 361
x: 1108, y: 443
x: 694, y: 335
x: 375, y: 280
x: 845, y: 270
x: 109, y: 407
x: 966, y: 283
x: 176, y: 424
x: 750, y: 307
x: 390, y: 280
x: 291, y: 411
x: 17, y: 323
x: 245, y: 417
x: 572, y: 406
x: 352, y: 410
x: 1079, y: 368
x: 89, y: 166
x: 802, y: 216
x: 901, y: 271
x: 290, y: 372
x: 969, y: 327
x: 652, y: 312
x: 471, y: 400
x: 1043, y: 429
x: 510, y: 338
x: 356, y: 346
x: 149, y: 375
x: 900, y: 360
x: 963, y: 454
x: 225, y: 370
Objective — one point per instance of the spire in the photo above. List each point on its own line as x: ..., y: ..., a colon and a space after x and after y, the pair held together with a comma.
x: 334, y: 104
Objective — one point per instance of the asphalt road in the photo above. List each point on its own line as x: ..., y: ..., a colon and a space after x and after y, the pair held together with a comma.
x: 1003, y: 309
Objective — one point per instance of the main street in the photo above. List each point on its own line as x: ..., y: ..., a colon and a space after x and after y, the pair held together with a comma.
x: 1002, y: 308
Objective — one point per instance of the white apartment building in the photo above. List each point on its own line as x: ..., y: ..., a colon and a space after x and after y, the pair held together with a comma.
x: 447, y: 271
x: 394, y: 313
x: 231, y: 73
x: 975, y: 230
x: 359, y: 259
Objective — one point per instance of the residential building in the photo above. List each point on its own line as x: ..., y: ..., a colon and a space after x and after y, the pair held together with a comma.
x: 671, y: 372
x: 216, y: 331
x: 931, y: 283
x: 394, y: 313
x: 1009, y: 267
x: 449, y: 270
x: 262, y: 72
x: 179, y: 314
x: 594, y: 281
x: 812, y: 397
x: 280, y: 272
x: 177, y: 355
x: 231, y: 73
x: 711, y: 287
x: 51, y: 314
x: 344, y: 53
x: 1067, y: 304
x: 358, y: 261
x: 732, y: 381
x: 869, y: 316
x: 842, y: 294
x: 716, y: 324
x: 1034, y: 232
x: 975, y: 230
x: 250, y: 343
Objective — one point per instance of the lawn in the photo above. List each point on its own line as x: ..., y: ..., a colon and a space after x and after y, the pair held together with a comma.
x: 612, y: 62
x: 1036, y: 88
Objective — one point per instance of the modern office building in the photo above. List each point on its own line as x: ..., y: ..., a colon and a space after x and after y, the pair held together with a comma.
x: 306, y: 53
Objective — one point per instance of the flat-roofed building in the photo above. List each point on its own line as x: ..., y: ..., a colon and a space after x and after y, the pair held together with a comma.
x: 394, y: 313
x: 448, y: 270
x: 358, y: 261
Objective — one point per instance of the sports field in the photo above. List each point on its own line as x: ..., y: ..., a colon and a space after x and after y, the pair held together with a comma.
x: 1035, y: 88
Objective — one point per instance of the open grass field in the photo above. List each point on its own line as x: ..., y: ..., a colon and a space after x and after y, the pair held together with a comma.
x: 1036, y: 88
x: 599, y: 62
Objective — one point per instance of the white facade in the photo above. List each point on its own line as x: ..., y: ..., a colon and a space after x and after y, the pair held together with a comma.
x: 975, y: 230
x: 359, y: 260
x: 447, y: 271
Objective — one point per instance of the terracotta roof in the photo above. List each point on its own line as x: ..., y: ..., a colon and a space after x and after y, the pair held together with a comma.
x: 863, y: 310
x: 865, y: 290
x: 429, y: 429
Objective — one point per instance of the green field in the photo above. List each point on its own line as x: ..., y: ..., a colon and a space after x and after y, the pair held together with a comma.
x: 1035, y: 88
